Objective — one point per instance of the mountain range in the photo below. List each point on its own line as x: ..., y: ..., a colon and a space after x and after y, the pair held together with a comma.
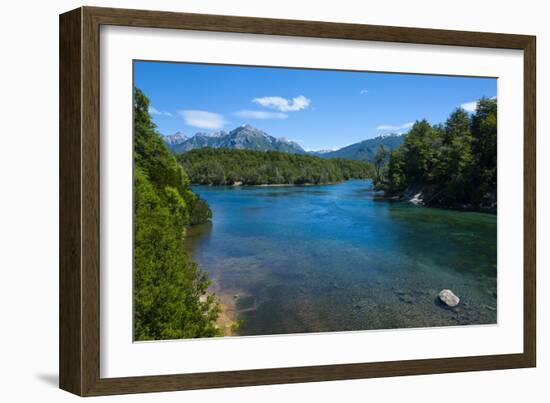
x: 243, y: 137
x: 247, y: 137
x: 366, y: 149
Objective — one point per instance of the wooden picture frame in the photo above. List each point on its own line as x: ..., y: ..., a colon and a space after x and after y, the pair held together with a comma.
x: 79, y: 278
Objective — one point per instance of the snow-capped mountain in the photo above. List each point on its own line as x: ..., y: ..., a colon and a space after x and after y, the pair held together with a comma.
x: 243, y: 137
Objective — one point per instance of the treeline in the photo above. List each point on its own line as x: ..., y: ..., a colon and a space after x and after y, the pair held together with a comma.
x: 222, y: 166
x: 168, y: 285
x: 451, y: 165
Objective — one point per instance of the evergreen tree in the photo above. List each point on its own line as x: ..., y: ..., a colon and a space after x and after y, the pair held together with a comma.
x: 168, y: 285
x: 380, y: 159
x: 454, y: 164
x: 484, y: 149
x: 222, y: 166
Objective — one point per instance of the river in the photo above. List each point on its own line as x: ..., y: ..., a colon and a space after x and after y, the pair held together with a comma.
x: 297, y: 259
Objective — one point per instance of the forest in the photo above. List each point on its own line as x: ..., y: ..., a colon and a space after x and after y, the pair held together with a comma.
x: 222, y: 166
x: 170, y: 300
x: 449, y: 165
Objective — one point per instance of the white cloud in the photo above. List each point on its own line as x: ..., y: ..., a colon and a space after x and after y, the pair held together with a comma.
x: 469, y: 106
x: 155, y: 111
x: 397, y: 127
x: 282, y: 104
x: 203, y: 119
x: 363, y: 92
x: 248, y: 114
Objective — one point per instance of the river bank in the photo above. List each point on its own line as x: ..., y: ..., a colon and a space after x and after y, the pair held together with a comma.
x: 427, y: 196
x: 227, y: 319
x: 241, y: 184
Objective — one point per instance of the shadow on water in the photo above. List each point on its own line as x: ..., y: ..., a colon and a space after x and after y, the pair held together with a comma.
x: 197, y: 235
x: 330, y: 258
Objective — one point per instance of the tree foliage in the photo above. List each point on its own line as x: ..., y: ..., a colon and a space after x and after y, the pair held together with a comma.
x: 454, y: 164
x: 222, y: 166
x: 168, y: 286
x: 379, y: 160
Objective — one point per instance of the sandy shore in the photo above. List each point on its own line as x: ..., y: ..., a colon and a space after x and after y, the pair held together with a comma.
x: 227, y: 319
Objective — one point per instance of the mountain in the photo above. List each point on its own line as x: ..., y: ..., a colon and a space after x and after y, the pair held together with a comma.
x: 174, y: 139
x: 243, y: 137
x: 199, y: 140
x: 366, y: 149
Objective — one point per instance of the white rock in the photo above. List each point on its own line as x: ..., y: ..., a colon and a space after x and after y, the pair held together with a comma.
x: 448, y: 298
x: 417, y: 199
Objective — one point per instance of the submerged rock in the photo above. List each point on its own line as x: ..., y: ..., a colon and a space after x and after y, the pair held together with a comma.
x: 406, y: 298
x: 448, y: 298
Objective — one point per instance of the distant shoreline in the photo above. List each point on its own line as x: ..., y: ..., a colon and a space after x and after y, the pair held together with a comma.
x: 235, y: 167
x: 237, y: 185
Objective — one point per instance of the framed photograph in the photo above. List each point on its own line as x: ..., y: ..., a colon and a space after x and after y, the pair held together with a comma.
x: 248, y: 201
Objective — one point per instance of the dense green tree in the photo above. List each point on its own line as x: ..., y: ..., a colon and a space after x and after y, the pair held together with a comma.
x: 420, y: 152
x: 379, y: 161
x: 168, y: 286
x: 484, y: 150
x: 221, y: 166
x: 455, y: 161
x: 453, y: 164
x: 395, y: 177
x: 456, y: 146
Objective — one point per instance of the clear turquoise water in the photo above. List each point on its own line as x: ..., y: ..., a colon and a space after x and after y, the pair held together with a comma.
x: 332, y: 258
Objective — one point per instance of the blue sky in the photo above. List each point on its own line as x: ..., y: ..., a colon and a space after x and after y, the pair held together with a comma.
x: 319, y: 109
